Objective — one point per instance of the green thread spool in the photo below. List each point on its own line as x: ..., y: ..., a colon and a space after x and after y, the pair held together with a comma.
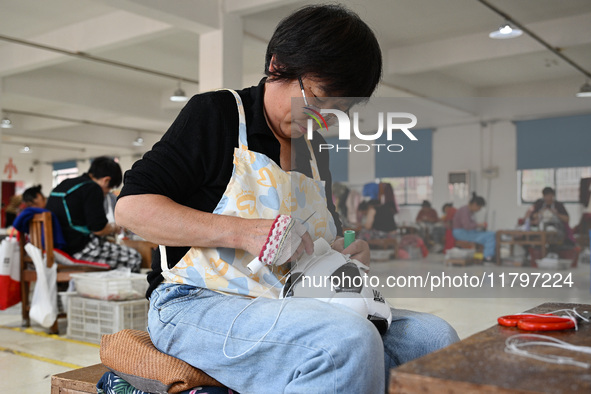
x: 349, y: 237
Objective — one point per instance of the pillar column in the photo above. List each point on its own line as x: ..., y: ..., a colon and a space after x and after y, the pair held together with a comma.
x: 220, y: 55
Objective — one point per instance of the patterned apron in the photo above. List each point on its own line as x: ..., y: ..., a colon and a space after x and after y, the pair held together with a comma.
x: 259, y: 188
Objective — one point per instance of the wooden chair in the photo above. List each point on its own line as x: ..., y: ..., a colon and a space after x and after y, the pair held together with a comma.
x: 40, y: 228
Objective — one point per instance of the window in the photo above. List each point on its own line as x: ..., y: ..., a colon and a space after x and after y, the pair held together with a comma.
x: 568, y: 181
x: 564, y: 180
x: 533, y: 182
x: 411, y: 190
x: 62, y: 174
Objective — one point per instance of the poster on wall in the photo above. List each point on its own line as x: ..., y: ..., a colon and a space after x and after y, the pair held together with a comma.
x: 10, y: 169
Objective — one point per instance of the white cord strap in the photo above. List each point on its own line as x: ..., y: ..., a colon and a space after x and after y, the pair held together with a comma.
x: 516, y: 344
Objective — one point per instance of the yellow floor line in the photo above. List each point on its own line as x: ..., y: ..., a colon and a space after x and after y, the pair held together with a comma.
x: 39, y: 358
x: 30, y: 331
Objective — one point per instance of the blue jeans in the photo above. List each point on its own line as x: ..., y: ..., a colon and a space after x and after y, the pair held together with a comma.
x: 486, y: 238
x: 314, y: 347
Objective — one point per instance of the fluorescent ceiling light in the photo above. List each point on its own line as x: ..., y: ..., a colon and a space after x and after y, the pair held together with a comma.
x: 585, y: 90
x: 179, y: 95
x: 505, y: 31
x: 6, y: 123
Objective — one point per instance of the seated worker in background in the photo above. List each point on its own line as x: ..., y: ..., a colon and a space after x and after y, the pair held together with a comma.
x: 465, y: 227
x: 448, y: 214
x: 447, y: 220
x: 582, y: 229
x: 377, y: 220
x: 33, y: 197
x: 78, y: 205
x: 427, y: 214
x: 13, y: 208
x: 549, y: 214
x: 200, y: 192
x: 427, y: 220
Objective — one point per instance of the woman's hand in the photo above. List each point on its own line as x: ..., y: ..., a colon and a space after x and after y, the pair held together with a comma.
x: 282, y: 239
x: 482, y: 226
x: 307, y: 245
x: 255, y: 235
x: 109, y: 229
x: 359, y: 249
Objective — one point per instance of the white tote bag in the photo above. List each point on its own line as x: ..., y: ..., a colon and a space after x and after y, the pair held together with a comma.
x: 44, y: 302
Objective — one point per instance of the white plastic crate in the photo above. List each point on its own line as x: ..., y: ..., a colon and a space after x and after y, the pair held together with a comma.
x: 89, y: 319
x: 111, y: 285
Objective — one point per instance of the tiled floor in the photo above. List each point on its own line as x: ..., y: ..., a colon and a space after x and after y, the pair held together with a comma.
x: 29, y: 358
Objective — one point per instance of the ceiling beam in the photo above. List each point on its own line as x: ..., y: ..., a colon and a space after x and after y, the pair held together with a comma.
x: 197, y: 16
x: 246, y: 7
x: 105, y: 32
x: 94, y: 99
x: 433, y: 55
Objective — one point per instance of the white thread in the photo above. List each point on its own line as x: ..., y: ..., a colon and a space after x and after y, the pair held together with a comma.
x: 512, y: 345
x: 261, y: 338
x: 272, y: 325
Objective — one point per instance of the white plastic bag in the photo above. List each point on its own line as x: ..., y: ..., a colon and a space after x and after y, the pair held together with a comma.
x: 44, y: 302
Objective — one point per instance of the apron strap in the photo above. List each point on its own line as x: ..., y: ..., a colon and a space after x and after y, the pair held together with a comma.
x: 242, y: 141
x: 163, y: 259
x: 313, y: 163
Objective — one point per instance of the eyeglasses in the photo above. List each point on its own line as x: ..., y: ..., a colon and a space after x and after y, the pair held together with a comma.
x: 303, y: 91
x: 314, y: 104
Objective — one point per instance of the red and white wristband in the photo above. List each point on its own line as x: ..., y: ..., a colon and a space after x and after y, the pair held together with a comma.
x: 285, y: 236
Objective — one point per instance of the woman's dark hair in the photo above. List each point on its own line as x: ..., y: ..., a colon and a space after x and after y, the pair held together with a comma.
x: 365, y: 205
x: 447, y: 204
x: 426, y: 204
x: 477, y: 200
x: 548, y: 190
x: 328, y: 42
x: 105, y: 166
x: 30, y: 194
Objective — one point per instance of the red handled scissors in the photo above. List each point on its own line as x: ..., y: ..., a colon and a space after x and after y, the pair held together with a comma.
x: 541, y: 322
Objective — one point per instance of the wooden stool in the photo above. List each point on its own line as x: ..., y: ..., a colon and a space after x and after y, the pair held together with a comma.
x: 466, y: 244
x: 78, y: 381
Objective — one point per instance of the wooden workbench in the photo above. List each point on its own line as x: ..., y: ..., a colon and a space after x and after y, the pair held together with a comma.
x: 525, y: 238
x: 479, y: 364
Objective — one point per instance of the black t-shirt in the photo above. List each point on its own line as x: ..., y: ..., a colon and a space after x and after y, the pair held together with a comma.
x: 85, y: 205
x: 384, y: 218
x: 193, y: 162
